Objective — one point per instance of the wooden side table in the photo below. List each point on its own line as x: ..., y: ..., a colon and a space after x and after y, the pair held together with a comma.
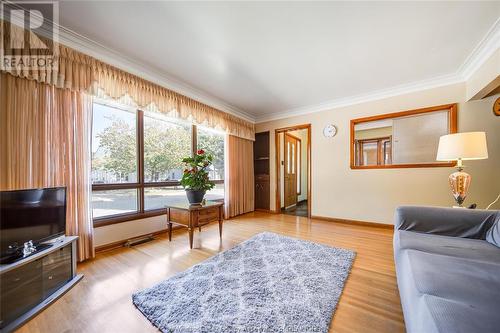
x: 192, y: 216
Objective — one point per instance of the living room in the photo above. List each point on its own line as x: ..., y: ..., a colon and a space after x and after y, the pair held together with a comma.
x: 250, y: 166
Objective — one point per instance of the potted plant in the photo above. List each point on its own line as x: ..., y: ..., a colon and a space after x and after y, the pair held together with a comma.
x: 195, y: 177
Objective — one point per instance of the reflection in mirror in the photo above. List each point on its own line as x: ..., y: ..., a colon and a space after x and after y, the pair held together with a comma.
x: 407, y: 138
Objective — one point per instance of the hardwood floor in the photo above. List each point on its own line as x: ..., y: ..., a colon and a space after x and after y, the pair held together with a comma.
x: 102, y: 301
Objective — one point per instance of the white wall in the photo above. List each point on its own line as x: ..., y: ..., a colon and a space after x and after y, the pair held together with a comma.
x: 125, y: 230
x: 373, y: 195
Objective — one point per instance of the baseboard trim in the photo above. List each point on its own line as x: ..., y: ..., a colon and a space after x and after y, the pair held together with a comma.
x: 265, y: 210
x: 355, y: 222
x: 121, y: 243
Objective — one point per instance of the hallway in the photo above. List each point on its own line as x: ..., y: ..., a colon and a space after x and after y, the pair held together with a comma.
x: 298, y: 210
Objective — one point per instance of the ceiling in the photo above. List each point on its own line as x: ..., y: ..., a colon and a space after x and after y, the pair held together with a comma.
x: 268, y: 58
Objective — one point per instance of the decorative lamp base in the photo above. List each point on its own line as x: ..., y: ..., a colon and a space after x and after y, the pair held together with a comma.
x: 459, y: 183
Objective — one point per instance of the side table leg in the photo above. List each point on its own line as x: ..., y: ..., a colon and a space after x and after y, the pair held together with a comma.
x: 169, y: 231
x: 190, y: 230
x: 221, y: 219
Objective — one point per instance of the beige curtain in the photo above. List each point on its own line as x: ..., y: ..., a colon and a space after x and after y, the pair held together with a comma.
x: 239, y: 178
x: 44, y: 142
x: 77, y: 71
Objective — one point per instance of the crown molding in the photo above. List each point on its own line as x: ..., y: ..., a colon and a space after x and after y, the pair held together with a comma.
x: 363, y: 98
x: 150, y: 73
x: 483, y: 50
x: 112, y: 57
x: 88, y: 46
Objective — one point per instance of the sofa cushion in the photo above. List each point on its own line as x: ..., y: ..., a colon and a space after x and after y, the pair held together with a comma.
x: 448, y: 284
x: 493, y: 234
x: 461, y: 295
x: 466, y: 248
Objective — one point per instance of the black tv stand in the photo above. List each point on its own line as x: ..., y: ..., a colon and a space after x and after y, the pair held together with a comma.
x: 18, y: 255
x: 29, y: 285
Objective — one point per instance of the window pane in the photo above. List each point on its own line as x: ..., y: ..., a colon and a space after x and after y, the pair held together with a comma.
x: 166, y: 143
x: 288, y: 157
x: 105, y: 203
x: 213, y: 143
x: 158, y: 197
x: 217, y: 193
x: 114, y: 145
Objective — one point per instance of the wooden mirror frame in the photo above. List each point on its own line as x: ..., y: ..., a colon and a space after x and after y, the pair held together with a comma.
x: 452, y: 118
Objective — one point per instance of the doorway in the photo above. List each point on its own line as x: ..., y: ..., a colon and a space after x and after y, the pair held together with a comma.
x: 293, y: 158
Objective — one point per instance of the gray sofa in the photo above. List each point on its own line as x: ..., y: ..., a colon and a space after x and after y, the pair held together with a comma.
x: 448, y: 269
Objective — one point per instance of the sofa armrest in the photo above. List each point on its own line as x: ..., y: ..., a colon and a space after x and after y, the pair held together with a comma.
x: 456, y: 222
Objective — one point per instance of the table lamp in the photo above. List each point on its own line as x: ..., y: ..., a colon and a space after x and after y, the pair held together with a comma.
x: 460, y: 147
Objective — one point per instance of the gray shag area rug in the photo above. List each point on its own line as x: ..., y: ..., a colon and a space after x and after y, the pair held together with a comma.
x: 269, y: 283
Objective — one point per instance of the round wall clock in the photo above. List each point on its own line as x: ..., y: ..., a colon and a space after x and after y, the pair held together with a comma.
x: 329, y: 131
x: 496, y: 107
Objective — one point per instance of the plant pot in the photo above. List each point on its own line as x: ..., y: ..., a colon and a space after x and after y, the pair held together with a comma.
x: 195, y: 197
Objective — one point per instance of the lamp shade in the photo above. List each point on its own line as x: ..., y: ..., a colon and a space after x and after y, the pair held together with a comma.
x: 465, y: 146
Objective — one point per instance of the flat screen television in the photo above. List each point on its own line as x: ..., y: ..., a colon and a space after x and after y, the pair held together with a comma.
x: 34, y: 215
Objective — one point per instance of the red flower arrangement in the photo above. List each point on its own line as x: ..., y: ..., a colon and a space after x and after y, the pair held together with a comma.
x: 195, y: 176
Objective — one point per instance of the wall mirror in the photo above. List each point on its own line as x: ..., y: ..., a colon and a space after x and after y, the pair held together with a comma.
x: 407, y: 139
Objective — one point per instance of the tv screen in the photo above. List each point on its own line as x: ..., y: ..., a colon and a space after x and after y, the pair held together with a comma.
x: 37, y: 215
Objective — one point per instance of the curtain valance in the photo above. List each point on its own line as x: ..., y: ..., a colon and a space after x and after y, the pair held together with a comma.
x: 80, y: 72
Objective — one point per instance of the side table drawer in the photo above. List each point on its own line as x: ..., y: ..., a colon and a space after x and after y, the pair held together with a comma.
x: 208, y: 215
x: 179, y: 216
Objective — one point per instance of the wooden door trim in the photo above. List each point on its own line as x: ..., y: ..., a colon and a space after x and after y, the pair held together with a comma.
x: 277, y: 208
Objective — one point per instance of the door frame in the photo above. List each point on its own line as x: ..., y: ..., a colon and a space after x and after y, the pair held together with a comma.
x: 277, y: 208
